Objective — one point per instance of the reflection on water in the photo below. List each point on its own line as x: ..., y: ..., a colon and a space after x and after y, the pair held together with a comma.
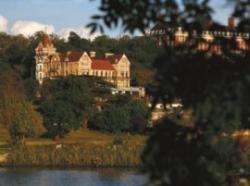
x: 69, y: 177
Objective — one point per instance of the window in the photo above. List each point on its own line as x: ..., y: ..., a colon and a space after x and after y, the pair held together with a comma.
x: 126, y: 74
x: 122, y: 74
x: 40, y: 76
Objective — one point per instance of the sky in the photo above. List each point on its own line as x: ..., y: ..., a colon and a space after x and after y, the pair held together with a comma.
x: 62, y: 16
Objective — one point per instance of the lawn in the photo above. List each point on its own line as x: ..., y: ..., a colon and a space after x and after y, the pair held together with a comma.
x: 88, y: 137
x: 82, y: 136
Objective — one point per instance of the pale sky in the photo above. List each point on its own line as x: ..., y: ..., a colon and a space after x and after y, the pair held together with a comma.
x: 62, y: 16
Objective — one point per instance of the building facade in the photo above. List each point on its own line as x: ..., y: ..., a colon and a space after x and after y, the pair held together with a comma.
x: 113, y: 68
x: 211, y: 38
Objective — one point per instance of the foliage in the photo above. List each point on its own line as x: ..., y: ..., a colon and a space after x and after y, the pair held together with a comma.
x: 214, y: 86
x: 177, y: 155
x: 26, y: 123
x: 139, y: 116
x: 31, y: 88
x: 241, y: 11
x: 111, y: 119
x: 65, y: 103
x: 122, y: 114
x: 59, y: 117
x: 16, y: 112
x: 15, y: 109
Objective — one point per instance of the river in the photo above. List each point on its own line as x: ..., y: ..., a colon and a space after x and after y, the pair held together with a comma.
x: 70, y: 177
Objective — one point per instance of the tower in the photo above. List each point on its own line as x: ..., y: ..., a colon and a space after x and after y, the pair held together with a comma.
x: 44, y: 50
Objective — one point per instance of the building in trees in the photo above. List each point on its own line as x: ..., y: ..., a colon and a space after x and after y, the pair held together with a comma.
x: 114, y: 68
x: 210, y: 39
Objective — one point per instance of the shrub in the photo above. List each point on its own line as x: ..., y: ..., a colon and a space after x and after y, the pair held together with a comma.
x: 122, y: 115
x: 26, y: 123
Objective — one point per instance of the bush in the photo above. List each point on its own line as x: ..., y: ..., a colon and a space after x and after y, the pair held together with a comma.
x: 122, y: 115
x: 111, y: 119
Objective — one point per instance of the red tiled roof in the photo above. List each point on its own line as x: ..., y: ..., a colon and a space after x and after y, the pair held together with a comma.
x: 101, y: 64
x: 72, y: 56
x: 115, y: 58
x: 46, y: 41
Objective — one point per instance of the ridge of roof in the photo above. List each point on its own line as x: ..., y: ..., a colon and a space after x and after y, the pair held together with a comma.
x: 71, y: 55
x: 101, y: 64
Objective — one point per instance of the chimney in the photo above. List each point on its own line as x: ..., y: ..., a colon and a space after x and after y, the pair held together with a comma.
x: 92, y: 54
x: 108, y: 54
x: 231, y: 22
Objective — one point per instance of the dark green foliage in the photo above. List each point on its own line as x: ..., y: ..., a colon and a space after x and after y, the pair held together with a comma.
x: 178, y: 156
x: 132, y: 14
x: 77, y: 43
x: 139, y: 116
x: 112, y: 119
x: 241, y: 11
x: 65, y: 103
x: 122, y: 114
x: 31, y: 88
x: 4, y: 66
x: 215, y: 87
x: 59, y: 118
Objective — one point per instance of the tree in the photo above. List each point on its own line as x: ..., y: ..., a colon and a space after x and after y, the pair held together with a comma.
x: 65, y: 104
x: 241, y: 11
x: 59, y: 117
x: 214, y: 86
x: 26, y: 123
x: 111, y: 119
x: 11, y: 94
x: 122, y: 114
x: 78, y: 43
x: 139, y: 114
x: 177, y: 155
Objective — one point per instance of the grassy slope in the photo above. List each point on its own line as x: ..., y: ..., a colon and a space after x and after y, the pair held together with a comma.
x: 83, y: 136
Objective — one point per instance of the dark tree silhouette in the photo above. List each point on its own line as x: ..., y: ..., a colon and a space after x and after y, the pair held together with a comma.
x: 214, y: 85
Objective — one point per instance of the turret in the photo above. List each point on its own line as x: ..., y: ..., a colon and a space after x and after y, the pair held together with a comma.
x: 44, y: 49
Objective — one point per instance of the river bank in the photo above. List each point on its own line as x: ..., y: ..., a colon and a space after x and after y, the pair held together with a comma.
x: 73, y: 156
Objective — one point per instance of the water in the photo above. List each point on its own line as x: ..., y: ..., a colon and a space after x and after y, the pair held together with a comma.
x: 70, y: 177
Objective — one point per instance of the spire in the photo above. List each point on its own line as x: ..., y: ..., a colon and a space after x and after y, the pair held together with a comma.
x: 46, y: 40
